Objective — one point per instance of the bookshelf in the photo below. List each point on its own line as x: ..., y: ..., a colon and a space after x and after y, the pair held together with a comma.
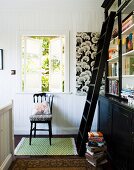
x: 120, y: 63
x: 127, y: 55
x: 116, y: 106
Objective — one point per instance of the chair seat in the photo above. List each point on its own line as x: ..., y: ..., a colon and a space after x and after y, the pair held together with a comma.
x: 43, y: 117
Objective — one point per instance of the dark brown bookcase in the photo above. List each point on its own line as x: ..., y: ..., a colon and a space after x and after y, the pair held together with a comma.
x: 116, y: 115
x: 120, y: 63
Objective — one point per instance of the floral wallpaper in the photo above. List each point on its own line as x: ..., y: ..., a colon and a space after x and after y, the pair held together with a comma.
x: 86, y: 47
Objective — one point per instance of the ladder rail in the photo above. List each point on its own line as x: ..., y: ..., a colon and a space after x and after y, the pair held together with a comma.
x: 95, y: 83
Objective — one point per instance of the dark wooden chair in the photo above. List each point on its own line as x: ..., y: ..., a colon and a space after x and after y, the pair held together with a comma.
x: 42, y: 117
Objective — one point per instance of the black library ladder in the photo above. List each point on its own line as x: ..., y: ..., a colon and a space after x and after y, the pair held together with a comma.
x: 95, y: 83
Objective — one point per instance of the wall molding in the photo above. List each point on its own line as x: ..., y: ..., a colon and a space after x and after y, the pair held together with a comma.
x: 6, y: 164
x: 57, y: 131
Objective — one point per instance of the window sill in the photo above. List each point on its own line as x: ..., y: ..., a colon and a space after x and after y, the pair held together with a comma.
x: 45, y: 92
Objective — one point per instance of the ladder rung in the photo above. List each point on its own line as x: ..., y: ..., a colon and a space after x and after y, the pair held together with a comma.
x: 98, y: 53
x: 96, y: 68
x: 84, y: 118
x: 81, y: 135
x: 103, y: 35
x: 92, y: 85
x: 106, y: 20
x: 88, y: 101
x: 104, y: 26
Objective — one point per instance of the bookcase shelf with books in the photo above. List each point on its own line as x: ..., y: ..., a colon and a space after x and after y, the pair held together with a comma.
x: 112, y: 74
x: 120, y: 63
x: 127, y: 54
x: 116, y: 106
x: 113, y: 66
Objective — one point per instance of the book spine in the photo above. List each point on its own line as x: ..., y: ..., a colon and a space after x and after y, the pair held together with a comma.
x: 131, y: 66
x: 110, y: 70
x: 95, y: 134
x: 110, y: 86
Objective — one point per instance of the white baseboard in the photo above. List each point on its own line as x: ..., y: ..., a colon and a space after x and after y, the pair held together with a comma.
x: 7, y: 162
x: 57, y: 131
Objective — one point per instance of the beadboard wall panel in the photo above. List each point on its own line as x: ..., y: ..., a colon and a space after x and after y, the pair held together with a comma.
x: 32, y: 18
x: 67, y: 113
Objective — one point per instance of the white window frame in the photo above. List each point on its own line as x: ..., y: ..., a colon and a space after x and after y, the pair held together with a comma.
x: 43, y: 33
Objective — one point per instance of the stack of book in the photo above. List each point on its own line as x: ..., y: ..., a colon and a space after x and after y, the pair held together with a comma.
x: 96, y: 149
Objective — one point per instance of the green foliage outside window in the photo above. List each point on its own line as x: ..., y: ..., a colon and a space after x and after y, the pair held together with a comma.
x: 45, y: 75
x: 45, y: 62
x: 55, y: 64
x: 45, y: 83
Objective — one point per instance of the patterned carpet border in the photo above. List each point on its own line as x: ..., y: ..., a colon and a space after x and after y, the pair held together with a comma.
x: 51, y: 162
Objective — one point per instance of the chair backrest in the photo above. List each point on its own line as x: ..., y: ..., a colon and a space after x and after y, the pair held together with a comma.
x: 40, y: 97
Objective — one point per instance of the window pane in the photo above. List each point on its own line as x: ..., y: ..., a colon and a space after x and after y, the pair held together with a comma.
x: 43, y: 63
x: 56, y: 65
x: 33, y: 74
x: 31, y: 64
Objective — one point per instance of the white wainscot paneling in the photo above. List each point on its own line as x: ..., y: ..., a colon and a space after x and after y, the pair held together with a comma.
x: 6, y: 137
x: 67, y: 113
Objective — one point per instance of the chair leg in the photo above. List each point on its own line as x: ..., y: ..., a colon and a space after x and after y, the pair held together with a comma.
x: 34, y: 130
x: 50, y: 131
x: 31, y: 133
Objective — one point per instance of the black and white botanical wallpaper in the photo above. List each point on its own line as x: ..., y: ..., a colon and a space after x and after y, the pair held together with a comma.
x: 86, y: 47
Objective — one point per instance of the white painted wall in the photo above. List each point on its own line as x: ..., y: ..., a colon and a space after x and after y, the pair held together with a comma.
x: 40, y: 16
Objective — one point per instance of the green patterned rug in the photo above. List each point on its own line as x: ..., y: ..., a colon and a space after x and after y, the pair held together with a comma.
x: 41, y: 146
